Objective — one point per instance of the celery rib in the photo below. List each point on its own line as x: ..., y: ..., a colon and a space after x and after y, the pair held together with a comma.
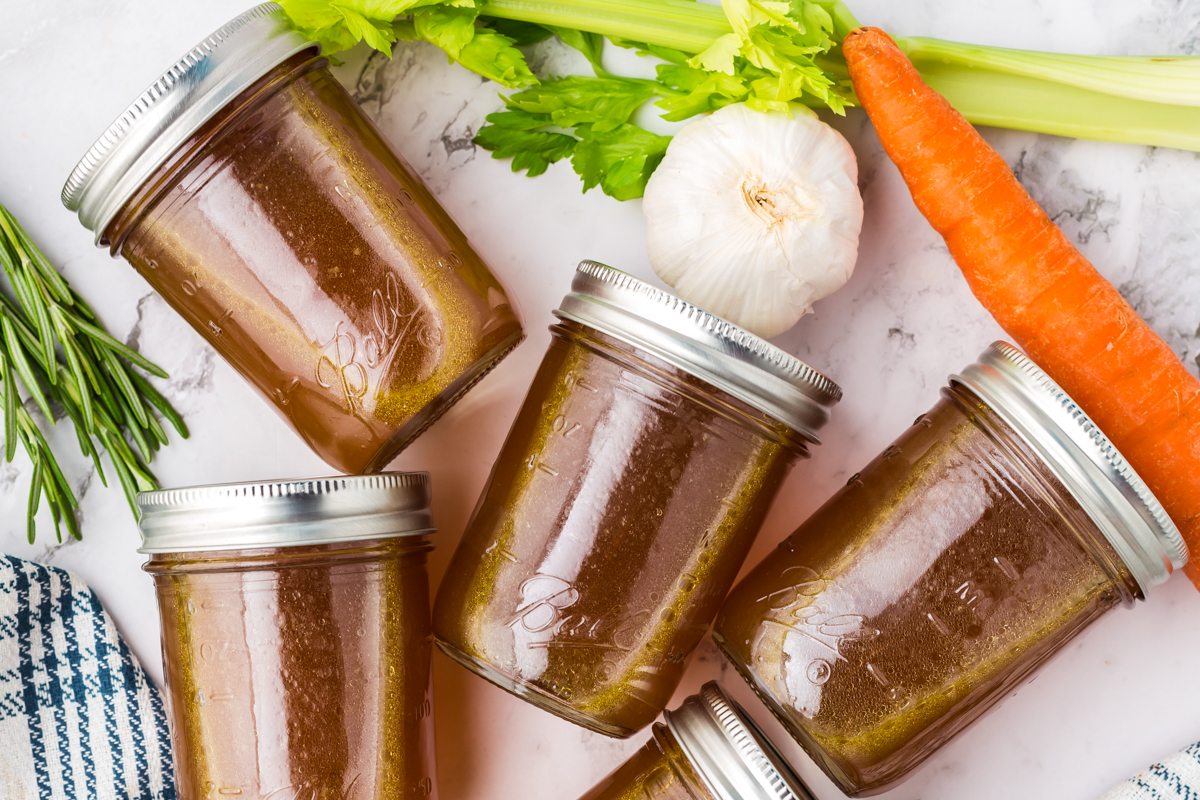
x: 681, y: 24
x: 987, y: 97
x: 1149, y: 100
x: 1161, y: 79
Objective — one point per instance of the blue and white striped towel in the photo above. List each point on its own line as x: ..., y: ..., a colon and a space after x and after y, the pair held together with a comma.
x: 79, y: 717
x: 1174, y: 778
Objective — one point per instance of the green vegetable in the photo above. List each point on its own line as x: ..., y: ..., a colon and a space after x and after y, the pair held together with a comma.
x: 51, y: 340
x: 763, y: 53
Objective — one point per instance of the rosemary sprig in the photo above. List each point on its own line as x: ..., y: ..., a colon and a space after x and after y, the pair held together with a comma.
x: 52, y: 341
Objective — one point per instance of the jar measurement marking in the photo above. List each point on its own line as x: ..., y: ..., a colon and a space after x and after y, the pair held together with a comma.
x: 878, y: 675
x: 560, y: 425
x: 283, y: 396
x: 572, y: 379
x: 1007, y: 568
x: 967, y: 592
x: 501, y: 552
x: 942, y: 627
x: 533, y: 462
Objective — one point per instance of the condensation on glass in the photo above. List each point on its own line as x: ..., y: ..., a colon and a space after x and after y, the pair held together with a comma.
x: 296, y: 637
x: 707, y: 749
x: 624, y: 501
x: 254, y: 195
x: 999, y: 526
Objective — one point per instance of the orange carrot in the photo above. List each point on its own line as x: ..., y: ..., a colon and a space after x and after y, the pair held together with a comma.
x: 1041, y: 290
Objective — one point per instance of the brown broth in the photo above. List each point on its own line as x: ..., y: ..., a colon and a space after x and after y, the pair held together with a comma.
x: 616, y: 517
x: 293, y: 238
x: 918, y: 596
x: 658, y: 771
x: 299, y: 672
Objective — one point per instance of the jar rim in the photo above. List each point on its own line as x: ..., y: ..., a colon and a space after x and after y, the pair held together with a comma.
x: 295, y: 513
x: 732, y: 755
x: 1082, y: 457
x: 701, y: 344
x: 174, y: 107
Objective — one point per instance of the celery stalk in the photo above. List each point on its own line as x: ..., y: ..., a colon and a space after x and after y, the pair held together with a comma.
x: 682, y: 24
x: 1149, y: 100
x: 1159, y: 79
x: 1005, y: 100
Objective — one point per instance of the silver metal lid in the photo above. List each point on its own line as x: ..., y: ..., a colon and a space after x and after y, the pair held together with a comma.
x: 718, y: 352
x: 733, y: 757
x: 174, y: 107
x: 1082, y: 458
x: 244, y: 516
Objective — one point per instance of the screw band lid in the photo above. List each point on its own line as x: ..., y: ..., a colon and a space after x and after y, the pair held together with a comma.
x: 1082, y: 458
x: 174, y: 107
x: 244, y: 516
x: 731, y: 754
x: 718, y: 352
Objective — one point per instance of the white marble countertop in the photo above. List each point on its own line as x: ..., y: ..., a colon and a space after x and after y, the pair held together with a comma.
x: 1119, y: 697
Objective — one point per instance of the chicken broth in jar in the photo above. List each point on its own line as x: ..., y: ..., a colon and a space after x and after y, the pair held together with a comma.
x: 278, y: 221
x: 621, y: 507
x: 296, y: 636
x: 944, y: 573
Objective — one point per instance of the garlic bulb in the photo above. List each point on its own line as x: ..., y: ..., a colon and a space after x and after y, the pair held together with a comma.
x: 754, y: 215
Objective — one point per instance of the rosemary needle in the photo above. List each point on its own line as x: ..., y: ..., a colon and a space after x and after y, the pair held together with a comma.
x: 52, y: 342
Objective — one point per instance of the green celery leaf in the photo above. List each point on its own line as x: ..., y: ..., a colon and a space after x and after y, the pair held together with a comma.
x: 519, y: 120
x: 340, y: 24
x: 668, y: 54
x: 523, y: 34
x: 604, y: 103
x: 704, y: 91
x: 781, y: 39
x: 720, y: 55
x: 494, y: 57
x: 448, y: 27
x: 619, y: 161
x: 590, y: 44
x: 511, y: 135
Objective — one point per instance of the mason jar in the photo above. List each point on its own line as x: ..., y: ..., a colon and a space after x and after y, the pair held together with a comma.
x: 254, y: 195
x: 296, y: 636
x: 629, y: 490
x: 995, y: 529
x: 707, y: 749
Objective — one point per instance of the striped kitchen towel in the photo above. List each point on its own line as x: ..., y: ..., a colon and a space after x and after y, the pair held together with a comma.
x: 1174, y: 778
x: 79, y: 717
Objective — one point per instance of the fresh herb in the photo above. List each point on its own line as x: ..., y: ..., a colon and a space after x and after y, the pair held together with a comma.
x: 52, y: 341
x: 764, y: 53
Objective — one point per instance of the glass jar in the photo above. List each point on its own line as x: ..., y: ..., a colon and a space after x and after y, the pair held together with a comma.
x: 623, y: 502
x: 999, y: 526
x: 254, y: 195
x: 296, y: 636
x: 707, y: 749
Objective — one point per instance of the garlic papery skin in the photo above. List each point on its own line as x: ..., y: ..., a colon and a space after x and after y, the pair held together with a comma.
x: 755, y: 215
